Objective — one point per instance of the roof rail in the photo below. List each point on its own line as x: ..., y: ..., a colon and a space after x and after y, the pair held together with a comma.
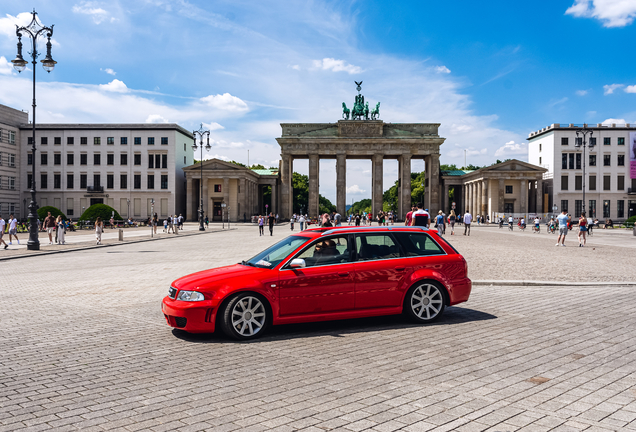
x: 364, y: 228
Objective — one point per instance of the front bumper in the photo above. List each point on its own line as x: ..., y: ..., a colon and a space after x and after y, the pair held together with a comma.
x: 193, y: 317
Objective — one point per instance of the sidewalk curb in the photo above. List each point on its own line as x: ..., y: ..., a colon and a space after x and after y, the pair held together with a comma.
x: 82, y: 248
x: 548, y: 283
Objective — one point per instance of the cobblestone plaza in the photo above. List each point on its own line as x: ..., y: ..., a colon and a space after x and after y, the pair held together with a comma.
x: 85, y: 345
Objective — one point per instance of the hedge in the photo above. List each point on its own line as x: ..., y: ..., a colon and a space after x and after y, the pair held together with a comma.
x: 55, y: 212
x: 99, y: 210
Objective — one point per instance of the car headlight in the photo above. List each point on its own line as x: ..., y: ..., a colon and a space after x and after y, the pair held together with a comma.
x: 190, y: 296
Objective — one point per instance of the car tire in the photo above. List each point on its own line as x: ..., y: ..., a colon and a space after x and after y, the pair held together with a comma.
x: 425, y: 302
x: 245, y: 316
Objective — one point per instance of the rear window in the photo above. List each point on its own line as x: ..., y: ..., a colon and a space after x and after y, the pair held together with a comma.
x: 418, y: 244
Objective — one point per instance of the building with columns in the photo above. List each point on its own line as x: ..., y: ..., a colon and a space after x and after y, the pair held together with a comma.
x: 10, y: 121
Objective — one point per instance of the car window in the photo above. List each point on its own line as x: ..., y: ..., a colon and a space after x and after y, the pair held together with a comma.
x: 273, y: 255
x: 327, y: 251
x: 418, y: 244
x: 376, y: 247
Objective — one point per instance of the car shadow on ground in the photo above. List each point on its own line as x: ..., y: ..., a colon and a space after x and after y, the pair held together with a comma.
x: 339, y: 328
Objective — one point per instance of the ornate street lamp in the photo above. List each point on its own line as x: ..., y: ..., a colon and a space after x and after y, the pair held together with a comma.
x: 201, y: 133
x: 582, y: 141
x: 34, y: 30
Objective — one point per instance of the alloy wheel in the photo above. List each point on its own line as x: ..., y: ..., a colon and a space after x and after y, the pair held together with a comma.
x: 427, y: 301
x: 248, y: 316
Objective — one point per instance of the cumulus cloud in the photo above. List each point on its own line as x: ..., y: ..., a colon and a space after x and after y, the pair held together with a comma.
x: 511, y: 148
x: 8, y: 23
x: 212, y: 126
x: 295, y: 67
x: 225, y: 102
x: 609, y: 88
x: 114, y: 86
x: 612, y: 13
x: 156, y: 118
x: 93, y: 10
x: 216, y: 156
x: 630, y: 89
x: 109, y: 71
x: 442, y: 69
x: 336, y: 66
x: 355, y: 189
x: 6, y: 68
x: 610, y: 121
x: 581, y: 92
x: 228, y: 145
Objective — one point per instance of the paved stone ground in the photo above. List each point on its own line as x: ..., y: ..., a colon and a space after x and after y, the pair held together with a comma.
x: 84, y: 346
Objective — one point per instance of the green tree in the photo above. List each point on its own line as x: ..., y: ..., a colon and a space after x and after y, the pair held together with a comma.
x: 55, y: 212
x: 360, y: 206
x: 418, y: 187
x: 390, y: 198
x: 300, y: 183
x: 325, y: 206
x: 99, y: 210
x: 444, y: 167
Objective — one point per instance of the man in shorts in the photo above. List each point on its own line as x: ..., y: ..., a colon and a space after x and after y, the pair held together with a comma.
x: 2, y: 224
x: 13, y: 229
x: 563, y: 227
x: 49, y: 226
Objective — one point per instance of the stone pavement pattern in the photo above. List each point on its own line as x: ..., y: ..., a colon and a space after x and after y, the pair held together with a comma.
x: 85, y: 347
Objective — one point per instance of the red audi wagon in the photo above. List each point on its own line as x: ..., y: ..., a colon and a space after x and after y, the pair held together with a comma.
x: 324, y: 274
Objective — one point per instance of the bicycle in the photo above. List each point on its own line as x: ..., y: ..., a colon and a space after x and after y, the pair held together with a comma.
x: 510, y: 226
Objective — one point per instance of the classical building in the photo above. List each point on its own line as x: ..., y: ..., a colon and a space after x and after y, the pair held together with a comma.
x: 609, y: 190
x: 10, y: 121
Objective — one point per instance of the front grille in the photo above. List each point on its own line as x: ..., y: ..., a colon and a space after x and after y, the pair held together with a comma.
x: 180, y: 321
x: 172, y: 293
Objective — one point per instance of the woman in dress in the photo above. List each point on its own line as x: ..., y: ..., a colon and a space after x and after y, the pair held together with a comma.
x: 451, y: 219
x: 99, y: 228
x: 59, y: 224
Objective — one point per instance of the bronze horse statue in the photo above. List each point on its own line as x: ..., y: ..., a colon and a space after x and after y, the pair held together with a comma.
x: 345, y: 111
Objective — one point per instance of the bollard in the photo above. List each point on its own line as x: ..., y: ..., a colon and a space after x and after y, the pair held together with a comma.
x: 121, y: 234
x: 176, y: 229
x: 634, y: 228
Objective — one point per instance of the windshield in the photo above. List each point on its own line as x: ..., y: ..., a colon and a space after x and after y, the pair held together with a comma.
x: 273, y: 255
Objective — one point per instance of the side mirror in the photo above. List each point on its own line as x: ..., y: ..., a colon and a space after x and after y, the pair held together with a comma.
x: 297, y: 263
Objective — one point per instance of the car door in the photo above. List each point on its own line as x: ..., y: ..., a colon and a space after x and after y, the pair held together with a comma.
x: 325, y: 285
x: 379, y: 271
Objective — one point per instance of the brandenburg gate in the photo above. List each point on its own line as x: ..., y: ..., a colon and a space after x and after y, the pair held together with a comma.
x: 360, y: 137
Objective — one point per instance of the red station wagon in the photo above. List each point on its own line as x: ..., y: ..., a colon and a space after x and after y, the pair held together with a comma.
x: 324, y: 274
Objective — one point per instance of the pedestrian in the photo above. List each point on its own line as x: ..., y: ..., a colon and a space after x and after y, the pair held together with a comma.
x: 13, y: 229
x: 291, y: 221
x: 420, y: 217
x: 270, y: 221
x: 563, y: 227
x: 409, y: 217
x: 301, y: 221
x: 261, y: 222
x: 99, y: 229
x: 582, y: 229
x: 337, y: 218
x: 468, y: 218
x: 439, y: 223
x: 207, y: 222
x: 444, y: 222
x: 155, y: 220
x: 49, y: 226
x: 165, y: 225
x: 170, y: 224
x: 357, y: 219
x: 61, y: 230
x: 451, y: 219
x: 112, y: 223
x: 180, y: 221
x: 2, y: 224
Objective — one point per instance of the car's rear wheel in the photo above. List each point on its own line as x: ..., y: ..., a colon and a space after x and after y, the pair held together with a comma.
x: 425, y: 302
x: 245, y: 317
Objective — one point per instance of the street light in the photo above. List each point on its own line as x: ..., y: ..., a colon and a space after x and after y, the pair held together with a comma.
x: 582, y: 141
x: 201, y: 133
x: 33, y: 30
x: 128, y: 212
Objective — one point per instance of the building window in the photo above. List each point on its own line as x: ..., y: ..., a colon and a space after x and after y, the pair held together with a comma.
x: 184, y: 160
x: 158, y: 160
x: 571, y: 160
x: 30, y: 159
x: 620, y: 209
x: 11, y: 160
x: 164, y: 181
x: 540, y: 147
x: 83, y: 159
x: 184, y: 146
x: 539, y: 160
x: 11, y: 137
x: 151, y: 140
x: 151, y: 161
x: 97, y: 159
x: 83, y: 181
x: 123, y: 159
x: 70, y: 140
x: 620, y: 183
x: 606, y: 209
x: 110, y: 181
x: 97, y: 140
x: 43, y: 181
x: 110, y: 141
x: 607, y: 160
x: 217, y: 188
x: 164, y: 140
x: 44, y: 140
x: 123, y: 181
x: 621, y: 140
x: 564, y: 182
x: 578, y: 182
x: 564, y: 141
x: 137, y: 159
x: 83, y: 140
x: 164, y: 161
x: 592, y: 182
x: 578, y: 161
x: 578, y: 207
x: 137, y: 180
x: 137, y: 140
x: 578, y: 141
x: 110, y: 159
x: 29, y: 140
x: 508, y: 189
x: 592, y: 141
x: 97, y: 180
x: 621, y: 160
x: 57, y: 181
x: 29, y: 181
x: 592, y: 160
x: 607, y: 141
x: 11, y: 183
x: 44, y: 159
x: 607, y: 182
x: 123, y: 140
x: 57, y: 159
x: 70, y: 159
x: 70, y: 180
x: 151, y: 181
x: 57, y: 140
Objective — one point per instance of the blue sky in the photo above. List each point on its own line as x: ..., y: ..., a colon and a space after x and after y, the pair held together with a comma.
x: 489, y: 72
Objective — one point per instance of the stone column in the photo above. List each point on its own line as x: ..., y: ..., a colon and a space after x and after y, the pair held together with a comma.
x: 465, y: 201
x: 478, y: 187
x: 242, y: 201
x: 206, y: 198
x: 427, y: 183
x: 445, y: 201
x: 286, y: 191
x: 314, y: 185
x: 341, y: 184
x: 189, y: 199
x: 433, y: 182
x: 524, y: 197
x: 473, y: 199
x: 539, y: 208
x: 484, y: 198
x: 405, y: 186
x: 275, y: 199
x: 500, y: 195
x: 377, y: 185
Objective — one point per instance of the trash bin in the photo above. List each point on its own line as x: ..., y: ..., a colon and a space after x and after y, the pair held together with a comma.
x: 121, y: 234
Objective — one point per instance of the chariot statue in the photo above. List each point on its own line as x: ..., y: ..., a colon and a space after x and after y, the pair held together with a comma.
x: 360, y: 109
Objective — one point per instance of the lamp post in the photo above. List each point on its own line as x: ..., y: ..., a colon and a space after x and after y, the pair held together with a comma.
x: 128, y: 212
x: 201, y: 134
x: 582, y: 141
x: 34, y: 30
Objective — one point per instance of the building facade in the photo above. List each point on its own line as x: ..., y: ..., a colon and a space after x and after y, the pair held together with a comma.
x: 609, y: 191
x: 10, y: 190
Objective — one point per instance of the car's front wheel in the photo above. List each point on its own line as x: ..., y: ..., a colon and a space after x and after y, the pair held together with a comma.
x: 245, y: 317
x: 424, y: 302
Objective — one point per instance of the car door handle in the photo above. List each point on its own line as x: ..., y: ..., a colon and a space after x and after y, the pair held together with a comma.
x: 400, y: 269
x: 343, y: 274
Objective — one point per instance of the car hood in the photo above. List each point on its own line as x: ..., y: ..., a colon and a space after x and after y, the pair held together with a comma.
x: 217, y: 276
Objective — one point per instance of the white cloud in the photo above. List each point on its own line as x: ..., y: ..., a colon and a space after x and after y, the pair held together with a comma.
x: 109, y: 71
x: 612, y: 13
x: 336, y: 66
x: 558, y: 102
x: 609, y: 88
x: 225, y: 144
x: 156, y: 118
x: 115, y: 86
x: 511, y: 148
x: 8, y: 23
x: 355, y: 189
x: 581, y: 92
x: 610, y: 121
x: 92, y: 9
x: 216, y: 156
x: 442, y: 69
x: 630, y: 89
x: 212, y: 126
x: 295, y: 67
x: 6, y: 68
x: 225, y: 102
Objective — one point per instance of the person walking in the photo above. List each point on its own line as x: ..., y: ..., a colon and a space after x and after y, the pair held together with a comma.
x: 99, y: 229
x: 13, y: 229
x: 439, y: 223
x: 271, y: 220
x: 2, y: 225
x: 357, y: 219
x: 451, y: 219
x: 563, y: 228
x: 112, y: 223
x: 61, y: 230
x: 582, y: 229
x: 337, y: 218
x: 420, y: 217
x: 301, y: 221
x: 468, y: 218
x: 261, y: 222
x: 49, y: 226
x: 155, y: 220
x: 409, y: 217
x: 291, y: 222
